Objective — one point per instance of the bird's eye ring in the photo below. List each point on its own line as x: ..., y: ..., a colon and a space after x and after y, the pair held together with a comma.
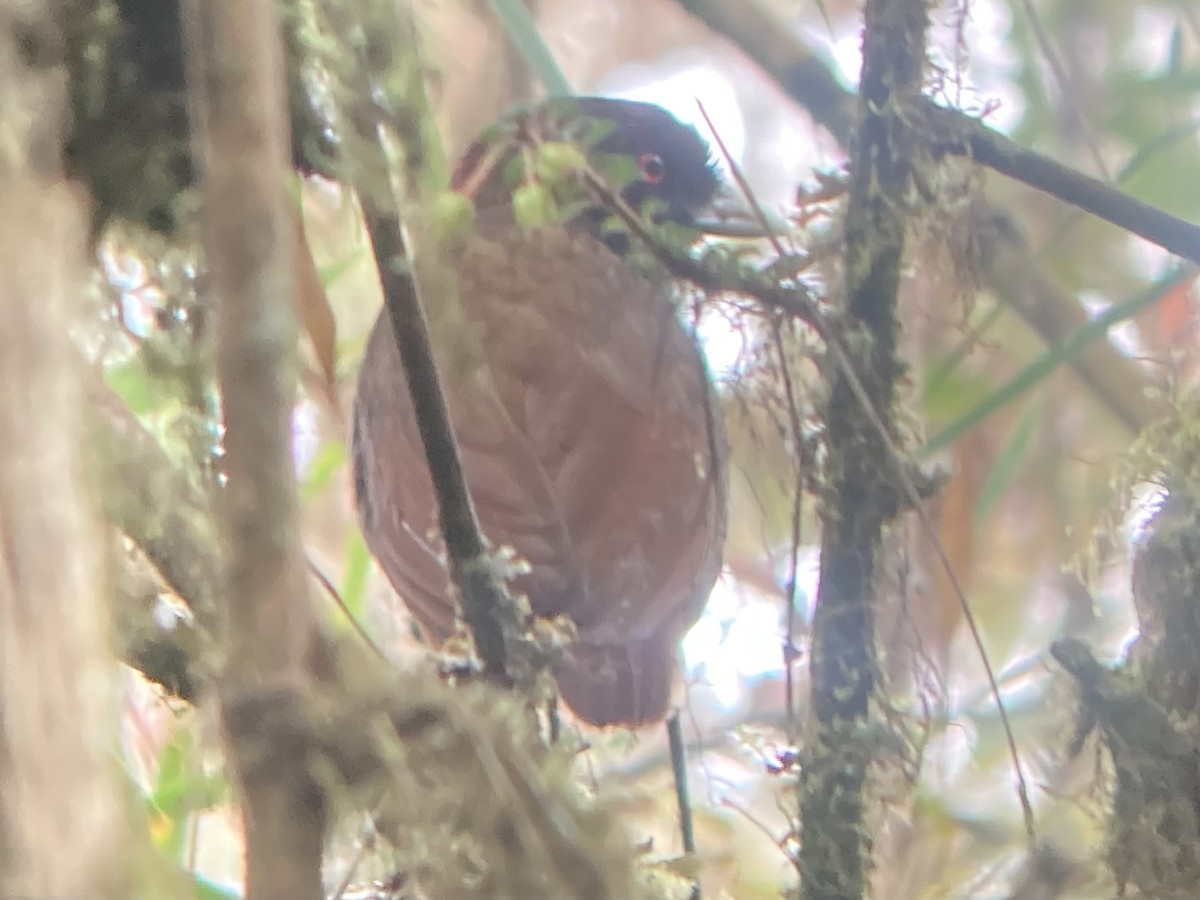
x: 652, y: 168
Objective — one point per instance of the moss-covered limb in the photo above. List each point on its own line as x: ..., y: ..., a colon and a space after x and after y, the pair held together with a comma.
x: 168, y: 654
x: 145, y: 495
x: 378, y: 83
x: 129, y: 133
x: 862, y: 489
x: 1148, y: 711
x: 957, y: 134
x: 453, y: 781
x: 162, y: 655
x: 1154, y: 827
x: 1166, y: 585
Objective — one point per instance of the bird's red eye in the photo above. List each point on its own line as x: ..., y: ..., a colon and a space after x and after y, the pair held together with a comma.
x: 652, y: 168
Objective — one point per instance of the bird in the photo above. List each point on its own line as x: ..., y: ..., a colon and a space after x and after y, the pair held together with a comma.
x: 590, y: 435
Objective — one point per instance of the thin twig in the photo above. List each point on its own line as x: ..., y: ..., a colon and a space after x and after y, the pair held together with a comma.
x: 1067, y: 87
x: 682, y: 794
x: 794, y: 299
x: 335, y: 595
x: 790, y: 653
x: 489, y: 613
x: 789, y: 647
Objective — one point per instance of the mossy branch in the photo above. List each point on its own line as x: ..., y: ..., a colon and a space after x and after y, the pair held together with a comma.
x: 863, y: 482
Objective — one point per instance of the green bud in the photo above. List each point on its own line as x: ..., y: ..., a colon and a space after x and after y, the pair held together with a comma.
x: 453, y: 216
x: 534, y: 206
x: 557, y: 162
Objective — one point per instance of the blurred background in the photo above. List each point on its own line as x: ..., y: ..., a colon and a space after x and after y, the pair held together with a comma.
x: 1030, y: 413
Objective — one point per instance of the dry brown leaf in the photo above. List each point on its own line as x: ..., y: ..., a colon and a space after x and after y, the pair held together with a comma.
x: 316, y: 315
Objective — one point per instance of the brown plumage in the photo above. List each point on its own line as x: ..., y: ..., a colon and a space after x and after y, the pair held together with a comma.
x: 589, y: 438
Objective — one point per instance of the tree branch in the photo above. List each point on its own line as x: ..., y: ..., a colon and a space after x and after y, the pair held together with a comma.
x: 168, y: 655
x: 62, y: 828
x: 235, y: 73
x: 953, y: 132
x: 1119, y: 383
x: 1014, y: 278
x: 144, y: 494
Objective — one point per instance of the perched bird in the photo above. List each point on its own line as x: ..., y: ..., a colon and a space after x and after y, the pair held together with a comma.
x: 590, y: 439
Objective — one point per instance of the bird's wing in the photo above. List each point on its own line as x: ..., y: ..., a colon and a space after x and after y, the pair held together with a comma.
x: 611, y: 395
x: 581, y: 408
x: 398, y: 506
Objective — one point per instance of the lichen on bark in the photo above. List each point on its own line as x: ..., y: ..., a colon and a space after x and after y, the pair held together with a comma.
x: 863, y: 484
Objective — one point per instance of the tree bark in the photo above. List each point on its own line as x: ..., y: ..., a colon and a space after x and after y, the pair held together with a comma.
x: 60, y: 817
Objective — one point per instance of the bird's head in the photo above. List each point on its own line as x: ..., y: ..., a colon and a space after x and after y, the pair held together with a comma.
x: 547, y: 159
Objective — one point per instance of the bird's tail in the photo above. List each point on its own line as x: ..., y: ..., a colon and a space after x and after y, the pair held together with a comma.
x: 628, y: 684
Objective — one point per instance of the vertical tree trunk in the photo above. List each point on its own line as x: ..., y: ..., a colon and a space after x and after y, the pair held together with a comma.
x: 240, y: 128
x: 864, y: 488
x: 60, y: 825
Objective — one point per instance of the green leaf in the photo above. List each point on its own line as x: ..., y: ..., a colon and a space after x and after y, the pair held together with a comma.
x: 210, y: 890
x: 619, y: 170
x: 132, y: 383
x: 1056, y: 356
x: 339, y: 267
x: 953, y: 359
x: 952, y: 393
x: 1007, y: 462
x: 558, y: 162
x: 534, y: 207
x: 180, y: 788
x: 327, y: 463
x: 358, y: 567
x: 514, y: 172
x: 523, y: 32
x: 590, y: 132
